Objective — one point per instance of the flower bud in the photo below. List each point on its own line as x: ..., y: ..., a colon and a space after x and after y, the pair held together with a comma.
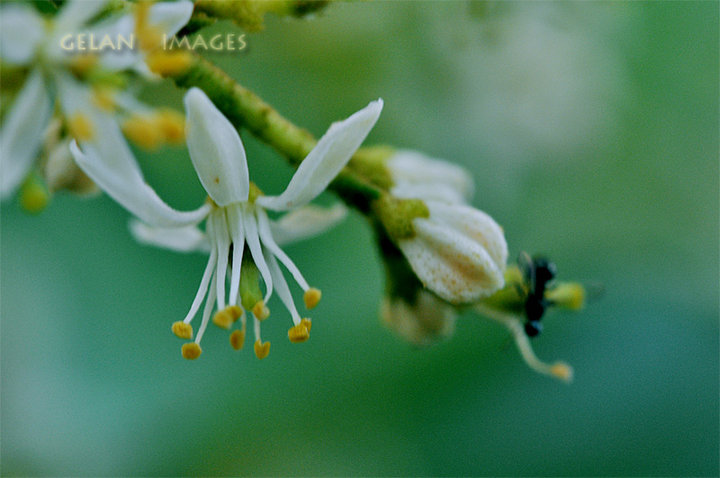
x: 415, y: 175
x: 457, y: 252
x: 423, y: 322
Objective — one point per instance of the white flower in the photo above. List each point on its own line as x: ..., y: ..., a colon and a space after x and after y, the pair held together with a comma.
x: 458, y: 252
x: 26, y: 40
x: 237, y: 224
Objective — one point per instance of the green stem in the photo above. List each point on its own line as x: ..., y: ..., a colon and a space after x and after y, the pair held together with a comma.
x: 247, y: 110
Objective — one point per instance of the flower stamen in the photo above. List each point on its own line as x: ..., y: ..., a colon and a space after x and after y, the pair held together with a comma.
x: 559, y: 370
x: 182, y: 330
x: 312, y: 297
x: 298, y: 333
x: 237, y: 339
x: 191, y: 351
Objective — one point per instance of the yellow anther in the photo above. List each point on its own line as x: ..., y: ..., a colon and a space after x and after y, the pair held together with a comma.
x: 168, y: 63
x: 298, y: 333
x: 191, y: 351
x: 570, y: 295
x: 237, y: 339
x: 81, y: 127
x: 234, y: 310
x: 312, y: 297
x: 182, y: 330
x: 223, y: 319
x: 260, y: 311
x: 562, y: 371
x: 172, y: 125
x: 149, y: 36
x: 34, y: 195
x: 104, y: 98
x: 262, y: 349
x: 143, y: 131
x: 80, y: 65
x: 307, y: 323
x: 226, y: 317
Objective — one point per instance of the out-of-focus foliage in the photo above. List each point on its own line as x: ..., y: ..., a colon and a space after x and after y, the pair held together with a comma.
x: 592, y: 132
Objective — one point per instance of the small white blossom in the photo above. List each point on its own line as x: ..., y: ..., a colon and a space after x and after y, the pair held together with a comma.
x: 457, y: 251
x: 28, y: 41
x: 236, y: 218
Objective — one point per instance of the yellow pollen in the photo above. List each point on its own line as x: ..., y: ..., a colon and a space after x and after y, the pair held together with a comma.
x: 104, y: 98
x: 168, y: 63
x: 223, y: 319
x: 260, y: 311
x: 262, y: 349
x: 81, y: 127
x: 562, y: 371
x: 80, y: 65
x: 172, y: 125
x: 182, y: 330
x: 298, y: 333
x: 234, y: 310
x: 307, y: 323
x: 237, y: 339
x: 143, y: 131
x: 312, y: 297
x: 191, y: 351
x: 226, y: 317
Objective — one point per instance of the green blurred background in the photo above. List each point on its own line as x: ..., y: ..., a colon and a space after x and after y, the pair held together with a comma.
x: 591, y: 130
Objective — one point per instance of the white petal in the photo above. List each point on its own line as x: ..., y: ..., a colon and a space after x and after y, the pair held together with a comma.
x: 429, y: 192
x: 474, y: 224
x: 216, y: 150
x: 21, y: 32
x: 118, y: 29
x: 76, y: 13
x: 305, y: 222
x: 22, y: 132
x: 170, y: 17
x: 428, y: 178
x: 325, y: 161
x: 108, y: 161
x: 179, y: 239
x: 116, y: 173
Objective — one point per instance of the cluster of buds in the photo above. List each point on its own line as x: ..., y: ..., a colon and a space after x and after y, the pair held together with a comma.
x: 442, y: 255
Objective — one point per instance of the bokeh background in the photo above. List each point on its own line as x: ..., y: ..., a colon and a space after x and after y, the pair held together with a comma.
x: 591, y: 129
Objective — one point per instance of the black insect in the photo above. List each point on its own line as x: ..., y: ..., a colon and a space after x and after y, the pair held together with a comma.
x: 538, y: 273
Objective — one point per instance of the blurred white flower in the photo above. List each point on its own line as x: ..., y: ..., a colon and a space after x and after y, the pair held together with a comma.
x: 27, y: 40
x: 235, y: 215
x: 422, y: 322
x: 534, y: 80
